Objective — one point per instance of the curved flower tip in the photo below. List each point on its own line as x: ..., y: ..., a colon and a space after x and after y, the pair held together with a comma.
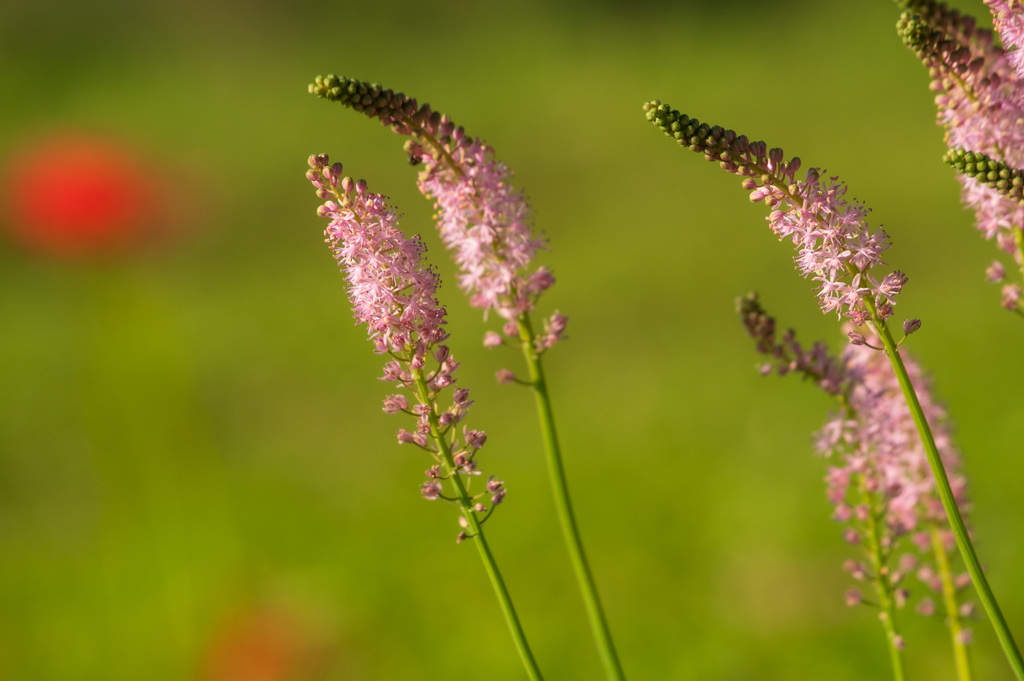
x: 483, y: 219
x: 835, y: 245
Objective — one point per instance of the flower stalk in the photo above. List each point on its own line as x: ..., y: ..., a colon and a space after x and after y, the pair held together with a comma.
x: 476, y: 528
x: 957, y: 633
x: 963, y: 539
x: 563, y: 505
x: 836, y: 246
x: 486, y: 224
x: 883, y: 585
x: 393, y: 292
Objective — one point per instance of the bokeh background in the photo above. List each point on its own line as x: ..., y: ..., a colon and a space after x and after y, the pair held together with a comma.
x: 196, y: 479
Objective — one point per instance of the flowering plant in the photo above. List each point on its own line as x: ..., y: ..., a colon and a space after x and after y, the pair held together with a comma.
x: 895, y: 479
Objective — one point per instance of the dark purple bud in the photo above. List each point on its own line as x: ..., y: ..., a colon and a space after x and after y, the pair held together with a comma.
x: 541, y: 281
x: 431, y: 490
x: 361, y: 187
x: 474, y: 438
x: 461, y: 395
x: 333, y: 174
x: 857, y: 339
x: 494, y: 485
x: 461, y: 538
x: 911, y: 325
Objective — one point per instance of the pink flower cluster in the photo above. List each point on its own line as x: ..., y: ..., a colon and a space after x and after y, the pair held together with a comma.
x: 880, y: 455
x: 1008, y: 18
x: 393, y: 292
x: 835, y: 245
x: 876, y: 440
x: 880, y: 484
x: 485, y: 222
x: 482, y: 218
x: 980, y: 104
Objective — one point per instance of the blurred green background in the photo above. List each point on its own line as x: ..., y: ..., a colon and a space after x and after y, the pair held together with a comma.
x: 195, y: 473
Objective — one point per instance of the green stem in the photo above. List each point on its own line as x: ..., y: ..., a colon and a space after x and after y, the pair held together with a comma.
x: 598, y: 623
x: 478, y: 534
x: 963, y: 540
x: 963, y: 666
x: 883, y: 587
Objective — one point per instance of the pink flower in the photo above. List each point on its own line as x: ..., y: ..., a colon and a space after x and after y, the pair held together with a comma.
x: 393, y: 292
x: 483, y: 219
x: 879, y: 479
x: 1008, y: 18
x: 980, y: 103
x: 835, y: 245
x: 485, y: 222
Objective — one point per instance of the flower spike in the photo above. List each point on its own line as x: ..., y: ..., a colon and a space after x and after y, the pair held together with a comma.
x: 834, y: 243
x: 393, y: 292
x: 981, y: 106
x: 879, y: 482
x: 483, y: 220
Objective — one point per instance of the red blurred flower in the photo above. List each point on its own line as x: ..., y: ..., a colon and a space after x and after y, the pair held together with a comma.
x: 76, y: 195
x: 264, y: 644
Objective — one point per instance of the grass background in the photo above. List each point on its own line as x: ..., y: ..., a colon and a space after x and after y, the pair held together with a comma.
x: 195, y: 432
